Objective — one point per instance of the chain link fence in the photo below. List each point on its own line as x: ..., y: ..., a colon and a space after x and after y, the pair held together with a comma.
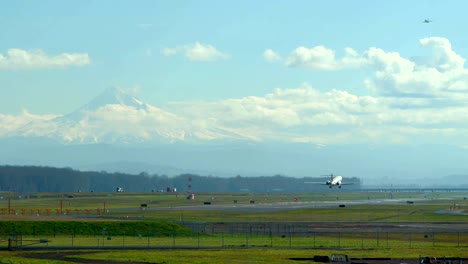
x: 247, y: 235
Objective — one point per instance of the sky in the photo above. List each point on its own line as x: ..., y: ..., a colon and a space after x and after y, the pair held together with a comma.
x: 328, y: 72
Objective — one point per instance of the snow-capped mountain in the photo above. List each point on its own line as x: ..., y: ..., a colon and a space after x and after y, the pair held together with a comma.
x: 116, y: 117
x: 110, y: 96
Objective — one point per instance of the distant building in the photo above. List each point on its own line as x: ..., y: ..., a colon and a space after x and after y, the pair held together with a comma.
x: 171, y: 189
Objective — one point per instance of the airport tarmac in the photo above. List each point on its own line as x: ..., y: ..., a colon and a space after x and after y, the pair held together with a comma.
x: 339, y: 205
x: 285, y: 206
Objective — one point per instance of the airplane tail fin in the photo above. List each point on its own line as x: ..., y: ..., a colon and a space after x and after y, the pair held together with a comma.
x: 331, y: 176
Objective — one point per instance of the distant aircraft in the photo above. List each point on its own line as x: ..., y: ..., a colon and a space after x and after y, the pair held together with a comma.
x: 427, y: 21
x: 334, y: 181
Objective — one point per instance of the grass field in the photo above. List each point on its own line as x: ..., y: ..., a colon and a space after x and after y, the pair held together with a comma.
x: 128, y: 205
x: 337, y: 239
x: 230, y: 256
x: 412, y: 209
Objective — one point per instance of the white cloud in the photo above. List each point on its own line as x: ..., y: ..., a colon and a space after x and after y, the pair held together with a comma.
x: 196, y: 52
x: 271, y: 56
x: 441, y: 74
x: 443, y: 58
x: 317, y: 57
x: 199, y: 52
x: 421, y: 101
x: 284, y: 109
x: 322, y: 58
x: 18, y: 59
x: 305, y: 114
x: 388, y: 62
x: 11, y: 124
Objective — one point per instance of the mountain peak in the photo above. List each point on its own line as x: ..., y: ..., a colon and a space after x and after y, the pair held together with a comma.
x: 114, y: 95
x: 110, y: 96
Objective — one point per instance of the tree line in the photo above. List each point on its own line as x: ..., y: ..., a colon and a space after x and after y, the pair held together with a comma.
x: 28, y: 179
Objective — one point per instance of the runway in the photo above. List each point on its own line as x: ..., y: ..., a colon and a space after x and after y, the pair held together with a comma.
x: 287, y: 206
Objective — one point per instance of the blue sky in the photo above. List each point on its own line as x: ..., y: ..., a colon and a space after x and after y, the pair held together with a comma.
x: 56, y: 56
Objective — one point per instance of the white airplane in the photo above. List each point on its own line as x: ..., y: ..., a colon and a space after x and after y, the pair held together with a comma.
x: 334, y: 181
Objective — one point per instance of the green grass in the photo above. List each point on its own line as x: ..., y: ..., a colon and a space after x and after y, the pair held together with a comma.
x: 234, y: 256
x: 80, y: 228
x: 342, y: 240
x: 233, y: 248
x: 261, y: 255
x: 126, y: 206
x: 371, y: 213
x: 14, y: 259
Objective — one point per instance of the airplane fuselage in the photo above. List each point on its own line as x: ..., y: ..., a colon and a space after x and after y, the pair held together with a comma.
x: 335, y: 181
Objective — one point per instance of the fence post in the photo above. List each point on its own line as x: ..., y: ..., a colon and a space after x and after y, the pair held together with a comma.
x: 103, y: 235
x: 339, y: 239
x: 378, y: 238
x: 73, y: 235
x: 410, y: 237
x: 271, y: 238
x: 433, y: 239
x: 173, y: 237
x: 315, y: 240
x: 362, y: 240
x: 387, y: 239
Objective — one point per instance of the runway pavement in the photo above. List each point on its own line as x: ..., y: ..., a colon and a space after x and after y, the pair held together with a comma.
x: 284, y: 206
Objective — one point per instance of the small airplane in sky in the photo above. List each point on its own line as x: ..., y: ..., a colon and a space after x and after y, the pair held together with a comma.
x: 334, y: 181
x: 427, y: 21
